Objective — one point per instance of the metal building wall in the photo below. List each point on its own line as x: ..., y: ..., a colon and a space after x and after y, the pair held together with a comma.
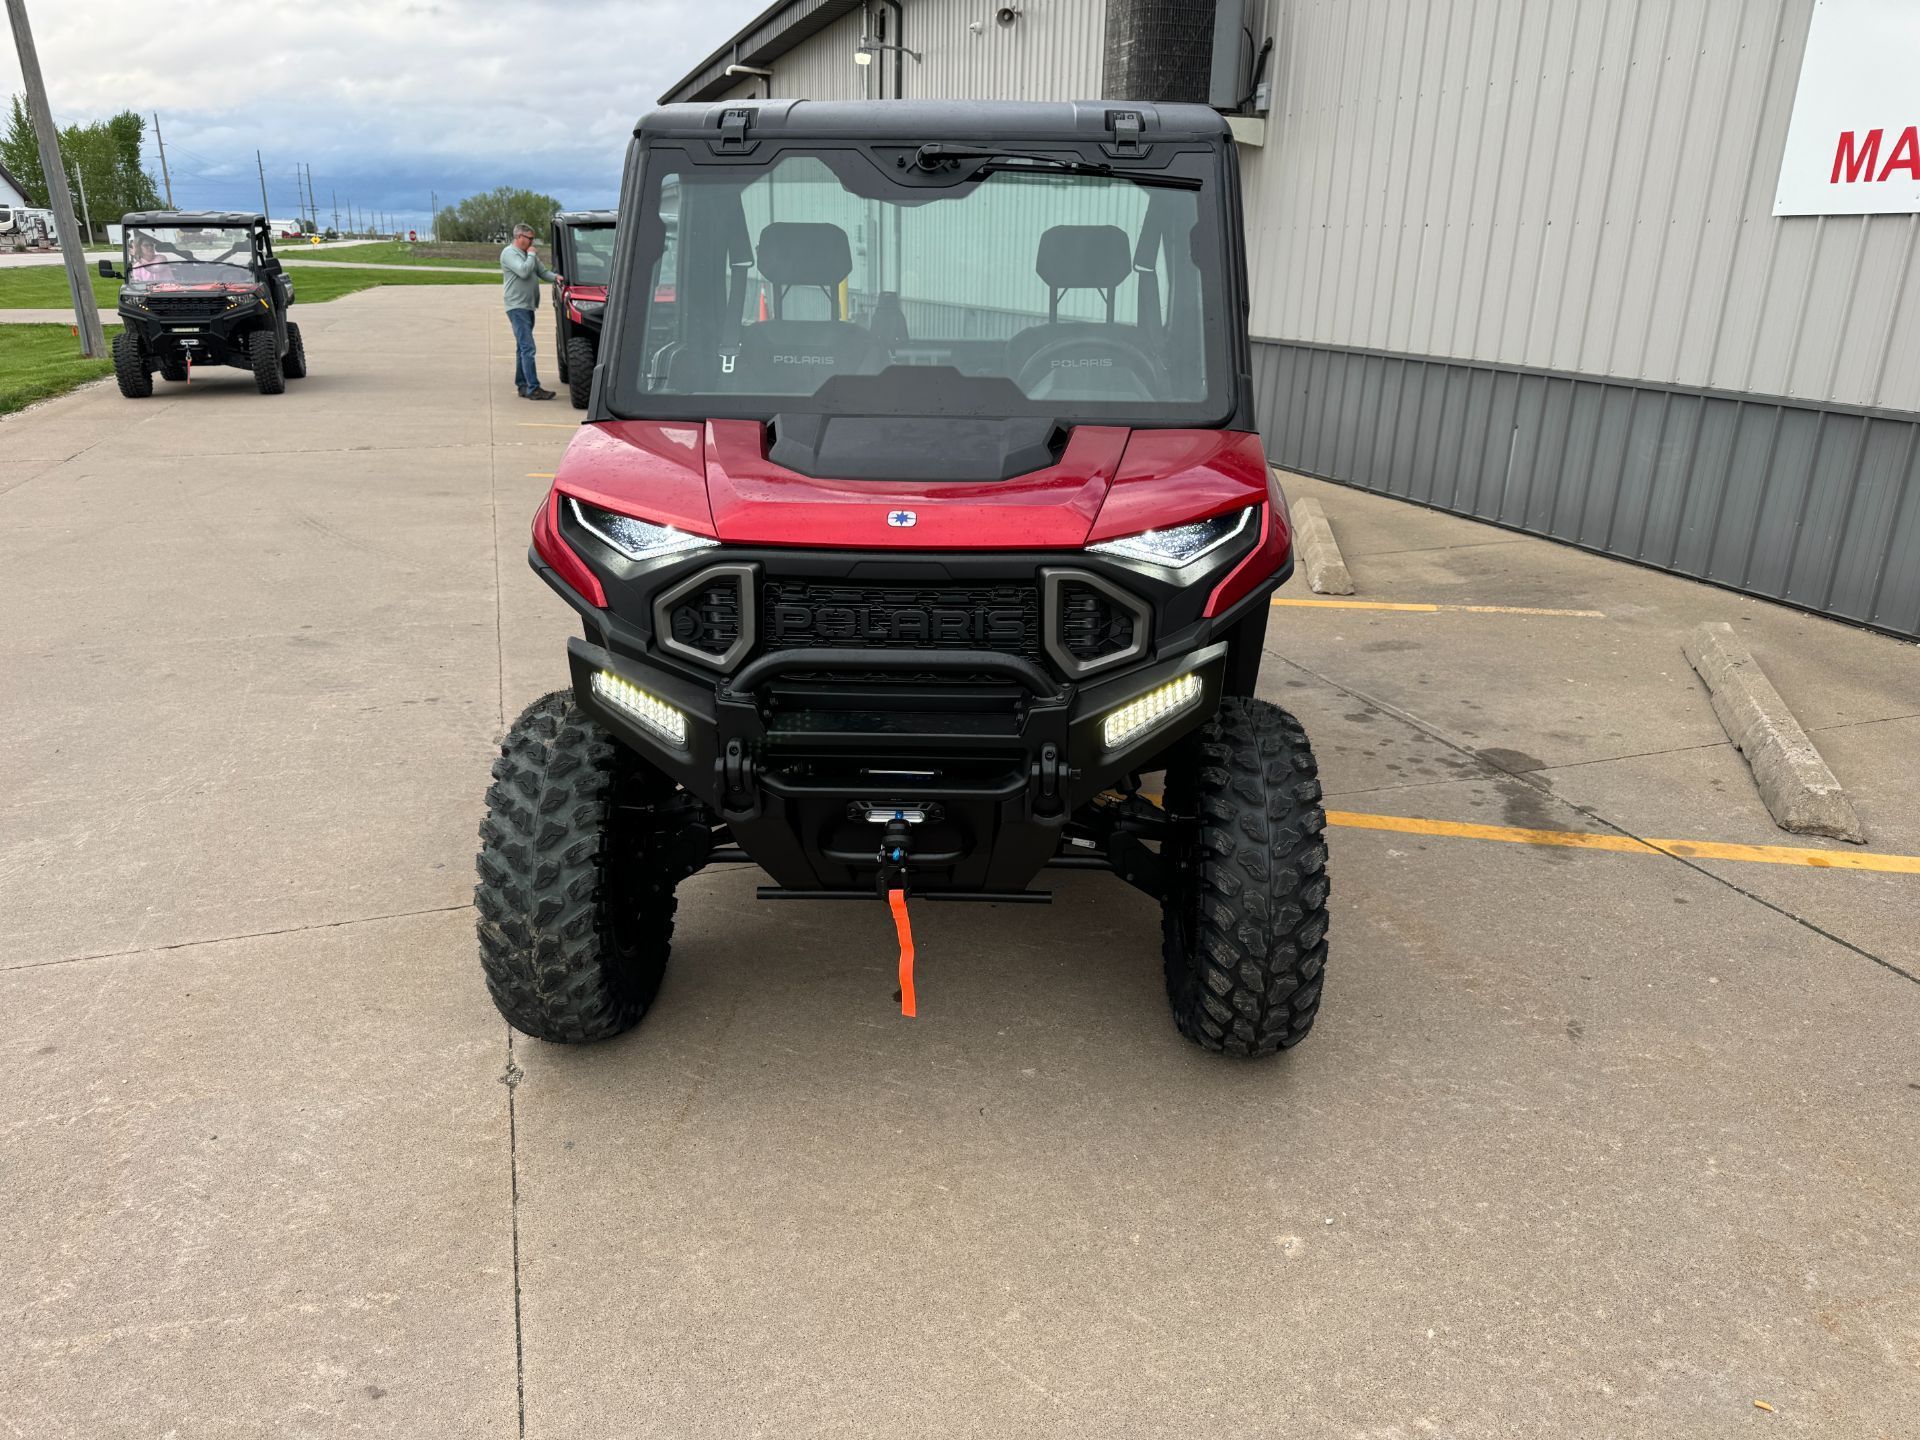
x: 1518, y: 260
x: 1052, y: 51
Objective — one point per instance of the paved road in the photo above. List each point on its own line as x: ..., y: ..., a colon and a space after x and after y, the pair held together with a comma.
x: 10, y: 258
x: 52, y: 257
x: 1586, y: 1144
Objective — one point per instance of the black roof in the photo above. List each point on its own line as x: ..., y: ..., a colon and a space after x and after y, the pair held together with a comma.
x: 191, y: 217
x: 586, y: 217
x: 919, y: 120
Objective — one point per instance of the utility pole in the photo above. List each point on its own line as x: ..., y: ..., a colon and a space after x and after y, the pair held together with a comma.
x: 334, y: 196
x: 92, y: 342
x: 165, y: 178
x: 86, y: 210
x: 312, y: 204
x: 433, y: 213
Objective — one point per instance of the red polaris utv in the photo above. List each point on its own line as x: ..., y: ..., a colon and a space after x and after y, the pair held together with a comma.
x: 582, y: 256
x: 929, y: 528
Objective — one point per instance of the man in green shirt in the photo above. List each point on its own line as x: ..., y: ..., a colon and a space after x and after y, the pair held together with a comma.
x: 524, y: 274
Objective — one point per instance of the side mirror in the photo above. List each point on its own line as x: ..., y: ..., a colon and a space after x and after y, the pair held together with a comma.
x: 106, y: 269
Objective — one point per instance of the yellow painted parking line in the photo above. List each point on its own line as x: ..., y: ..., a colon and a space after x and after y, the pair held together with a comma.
x: 543, y: 425
x: 539, y: 474
x: 1438, y: 609
x: 1627, y: 844
x: 1622, y: 844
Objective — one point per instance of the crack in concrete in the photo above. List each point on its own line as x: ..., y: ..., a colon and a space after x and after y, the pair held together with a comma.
x: 1524, y: 777
x: 493, y: 520
x: 1435, y: 549
x: 1399, y: 785
x: 511, y: 1079
x: 1857, y: 724
x: 229, y: 939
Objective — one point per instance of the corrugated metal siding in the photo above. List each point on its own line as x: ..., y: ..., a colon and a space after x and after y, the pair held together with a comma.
x: 1581, y: 187
x: 1816, y: 507
x: 1052, y: 51
x: 822, y: 68
x: 773, y: 32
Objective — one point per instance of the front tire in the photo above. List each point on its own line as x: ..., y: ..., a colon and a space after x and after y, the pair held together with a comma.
x: 295, y: 364
x: 268, y: 376
x: 130, y: 367
x: 575, y: 899
x: 174, y: 368
x: 1244, y: 921
x: 578, y: 371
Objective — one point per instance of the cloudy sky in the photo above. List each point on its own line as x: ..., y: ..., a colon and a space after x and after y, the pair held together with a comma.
x: 388, y: 100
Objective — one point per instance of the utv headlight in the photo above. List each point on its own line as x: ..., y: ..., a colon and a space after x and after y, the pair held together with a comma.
x: 590, y: 307
x: 635, y: 539
x: 1139, y: 715
x: 649, y: 712
x: 1179, y: 546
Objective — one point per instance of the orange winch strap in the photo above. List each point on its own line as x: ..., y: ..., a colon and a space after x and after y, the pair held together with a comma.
x: 897, y: 902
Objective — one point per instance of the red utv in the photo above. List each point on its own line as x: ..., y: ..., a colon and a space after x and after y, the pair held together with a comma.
x: 922, y: 542
x: 583, y: 256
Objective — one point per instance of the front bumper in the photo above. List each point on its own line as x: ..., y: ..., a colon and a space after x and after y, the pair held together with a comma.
x: 994, y: 770
x: 212, y: 339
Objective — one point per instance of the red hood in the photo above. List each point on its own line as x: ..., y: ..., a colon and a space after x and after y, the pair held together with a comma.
x: 715, y: 479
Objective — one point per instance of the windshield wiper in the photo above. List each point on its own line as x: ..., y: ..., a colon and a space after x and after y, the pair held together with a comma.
x: 930, y: 156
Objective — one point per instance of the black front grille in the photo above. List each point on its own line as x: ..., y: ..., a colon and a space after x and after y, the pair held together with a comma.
x: 803, y: 614
x: 709, y: 619
x: 1092, y: 625
x: 186, y: 307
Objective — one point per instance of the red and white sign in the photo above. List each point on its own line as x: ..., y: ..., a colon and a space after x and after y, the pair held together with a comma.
x: 1853, y: 144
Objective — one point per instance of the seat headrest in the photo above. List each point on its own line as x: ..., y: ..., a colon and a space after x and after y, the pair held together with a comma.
x: 797, y: 252
x: 1084, y: 257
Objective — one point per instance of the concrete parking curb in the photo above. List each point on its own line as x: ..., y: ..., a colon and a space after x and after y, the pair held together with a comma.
x: 1319, y: 552
x: 1799, y: 790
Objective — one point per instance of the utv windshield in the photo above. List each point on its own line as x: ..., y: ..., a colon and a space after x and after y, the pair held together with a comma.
x: 592, y: 255
x: 820, y: 282
x: 189, y: 255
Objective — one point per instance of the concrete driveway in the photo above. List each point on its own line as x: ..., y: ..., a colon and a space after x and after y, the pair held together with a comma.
x: 1585, y: 1144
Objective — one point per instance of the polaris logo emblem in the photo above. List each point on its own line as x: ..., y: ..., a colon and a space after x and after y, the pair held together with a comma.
x: 902, y: 519
x: 996, y: 626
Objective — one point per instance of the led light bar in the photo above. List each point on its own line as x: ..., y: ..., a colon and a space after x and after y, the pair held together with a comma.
x: 1140, y: 715
x: 649, y: 712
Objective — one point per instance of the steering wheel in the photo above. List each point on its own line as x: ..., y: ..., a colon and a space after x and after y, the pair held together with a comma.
x: 1074, y: 356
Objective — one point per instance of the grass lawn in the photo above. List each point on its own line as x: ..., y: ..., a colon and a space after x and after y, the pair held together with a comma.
x: 44, y: 287
x: 41, y: 360
x: 392, y: 252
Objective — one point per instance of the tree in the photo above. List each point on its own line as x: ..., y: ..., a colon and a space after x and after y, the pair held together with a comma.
x: 104, y: 153
x: 483, y: 217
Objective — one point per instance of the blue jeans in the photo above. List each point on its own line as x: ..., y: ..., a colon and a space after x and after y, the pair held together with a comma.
x: 524, y: 378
